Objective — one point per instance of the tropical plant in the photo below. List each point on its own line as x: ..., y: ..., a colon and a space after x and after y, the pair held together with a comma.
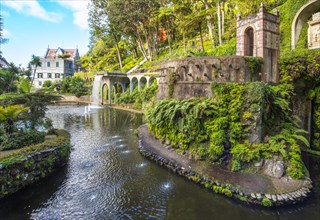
x: 36, y: 102
x: 9, y: 115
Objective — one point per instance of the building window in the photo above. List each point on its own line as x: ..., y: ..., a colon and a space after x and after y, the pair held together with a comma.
x: 49, y: 75
x: 57, y: 64
x: 40, y: 75
x: 70, y: 65
x: 57, y: 75
x: 48, y: 64
x: 40, y: 83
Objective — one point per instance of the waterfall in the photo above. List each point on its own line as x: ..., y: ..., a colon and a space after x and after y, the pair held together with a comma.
x: 96, y: 88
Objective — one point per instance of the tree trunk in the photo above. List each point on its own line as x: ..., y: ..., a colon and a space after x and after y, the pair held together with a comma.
x: 209, y: 24
x: 219, y: 21
x: 140, y: 46
x: 118, y: 51
x: 184, y: 43
x: 34, y: 75
x: 201, y: 37
x: 222, y: 18
x: 147, y: 41
x: 169, y: 38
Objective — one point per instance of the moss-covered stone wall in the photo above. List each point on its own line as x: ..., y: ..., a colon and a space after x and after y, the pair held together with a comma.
x: 33, y: 163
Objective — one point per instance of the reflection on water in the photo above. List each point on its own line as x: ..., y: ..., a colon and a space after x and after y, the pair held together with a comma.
x: 107, y: 178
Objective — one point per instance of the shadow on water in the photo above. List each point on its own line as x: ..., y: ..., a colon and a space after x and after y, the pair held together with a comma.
x: 107, y: 178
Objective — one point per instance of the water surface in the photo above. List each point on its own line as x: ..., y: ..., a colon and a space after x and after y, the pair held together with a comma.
x: 107, y: 178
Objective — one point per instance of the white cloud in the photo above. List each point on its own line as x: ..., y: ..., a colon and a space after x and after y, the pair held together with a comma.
x: 6, y: 33
x: 80, y: 11
x: 5, y: 13
x: 33, y: 8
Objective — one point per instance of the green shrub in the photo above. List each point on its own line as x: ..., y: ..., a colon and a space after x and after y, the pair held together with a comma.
x: 21, y: 139
x: 213, y: 128
x: 236, y: 165
x: 62, y: 141
x: 266, y: 202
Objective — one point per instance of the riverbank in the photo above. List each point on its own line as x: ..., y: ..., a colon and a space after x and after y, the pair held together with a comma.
x: 251, y: 188
x: 23, y: 167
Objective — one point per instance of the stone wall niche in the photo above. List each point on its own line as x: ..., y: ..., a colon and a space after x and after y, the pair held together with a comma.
x: 314, y: 32
x: 259, y: 35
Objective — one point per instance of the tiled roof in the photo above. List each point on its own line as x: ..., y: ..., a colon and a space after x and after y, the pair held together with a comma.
x: 52, y: 53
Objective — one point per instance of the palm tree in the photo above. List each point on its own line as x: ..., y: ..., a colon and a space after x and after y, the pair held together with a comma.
x: 34, y: 63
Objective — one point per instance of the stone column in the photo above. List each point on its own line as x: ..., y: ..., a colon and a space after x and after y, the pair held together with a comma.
x: 131, y: 86
x: 109, y: 92
x: 139, y: 84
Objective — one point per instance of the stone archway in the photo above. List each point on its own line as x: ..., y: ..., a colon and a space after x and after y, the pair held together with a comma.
x: 116, y: 89
x: 301, y: 18
x: 105, y: 94
x: 143, y: 82
x: 249, y: 41
x: 133, y: 82
x: 151, y: 80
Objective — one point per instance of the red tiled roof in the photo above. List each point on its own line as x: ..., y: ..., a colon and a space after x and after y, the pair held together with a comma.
x: 52, y: 53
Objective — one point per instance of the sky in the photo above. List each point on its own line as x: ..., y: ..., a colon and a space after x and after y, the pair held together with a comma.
x: 34, y: 25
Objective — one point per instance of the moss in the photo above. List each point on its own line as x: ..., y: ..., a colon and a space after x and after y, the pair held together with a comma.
x: 222, y: 190
x: 195, y: 179
x: 266, y: 202
x: 63, y: 139
x: 172, y: 81
x: 29, y: 164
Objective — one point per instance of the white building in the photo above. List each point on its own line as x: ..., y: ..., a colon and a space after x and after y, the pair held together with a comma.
x: 56, y: 64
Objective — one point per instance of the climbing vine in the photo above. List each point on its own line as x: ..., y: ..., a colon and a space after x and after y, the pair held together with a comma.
x: 254, y: 64
x: 171, y: 82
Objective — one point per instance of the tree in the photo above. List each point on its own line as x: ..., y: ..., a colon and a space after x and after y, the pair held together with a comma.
x: 25, y: 85
x: 2, y: 40
x: 9, y: 115
x: 8, y: 78
x: 34, y: 64
x: 36, y: 102
x: 77, y: 86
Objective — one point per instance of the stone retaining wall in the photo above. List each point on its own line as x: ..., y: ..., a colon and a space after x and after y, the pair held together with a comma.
x: 31, y: 168
x: 82, y: 99
x: 192, y: 77
x: 228, y: 189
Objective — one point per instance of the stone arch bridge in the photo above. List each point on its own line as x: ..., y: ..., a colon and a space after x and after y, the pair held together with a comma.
x: 105, y: 82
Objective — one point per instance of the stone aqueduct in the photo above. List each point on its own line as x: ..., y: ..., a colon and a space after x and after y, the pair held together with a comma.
x: 110, y: 80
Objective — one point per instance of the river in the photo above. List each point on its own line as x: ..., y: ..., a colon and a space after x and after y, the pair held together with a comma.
x: 107, y: 178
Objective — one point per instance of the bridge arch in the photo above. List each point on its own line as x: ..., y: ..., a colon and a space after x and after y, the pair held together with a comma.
x: 151, y: 79
x: 301, y: 18
x: 105, y: 83
x: 133, y: 81
x: 105, y: 93
x: 143, y: 82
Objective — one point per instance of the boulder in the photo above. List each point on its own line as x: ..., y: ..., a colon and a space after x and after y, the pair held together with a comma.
x: 274, y: 168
